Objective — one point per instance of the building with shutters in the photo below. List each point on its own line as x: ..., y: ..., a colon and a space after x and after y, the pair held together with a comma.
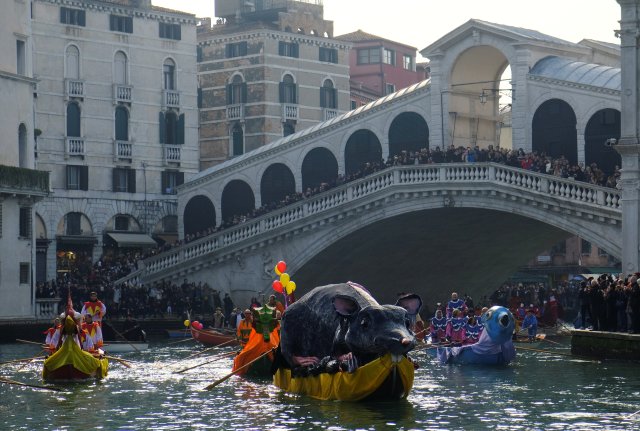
x: 117, y: 110
x: 21, y: 186
x: 266, y: 70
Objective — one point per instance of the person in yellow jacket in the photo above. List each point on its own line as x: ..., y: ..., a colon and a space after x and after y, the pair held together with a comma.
x: 245, y: 327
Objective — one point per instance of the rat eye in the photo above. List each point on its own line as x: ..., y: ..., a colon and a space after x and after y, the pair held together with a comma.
x: 364, y: 323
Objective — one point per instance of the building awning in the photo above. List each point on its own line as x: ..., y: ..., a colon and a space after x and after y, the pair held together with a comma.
x: 76, y: 239
x: 130, y: 239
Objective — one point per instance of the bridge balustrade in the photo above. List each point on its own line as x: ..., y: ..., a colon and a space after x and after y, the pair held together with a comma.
x: 438, y: 174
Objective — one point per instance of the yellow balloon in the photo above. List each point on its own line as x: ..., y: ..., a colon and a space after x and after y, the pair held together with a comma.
x: 187, y: 323
x: 284, y: 279
x: 277, y: 271
x: 291, y: 287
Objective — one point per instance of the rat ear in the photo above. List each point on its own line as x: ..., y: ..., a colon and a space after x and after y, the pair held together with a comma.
x: 346, y: 306
x: 410, y: 302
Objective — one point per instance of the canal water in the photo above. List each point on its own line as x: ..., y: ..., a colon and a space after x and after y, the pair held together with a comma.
x: 539, y: 391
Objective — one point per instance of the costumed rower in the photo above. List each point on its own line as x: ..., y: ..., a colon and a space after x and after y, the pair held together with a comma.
x: 454, y: 304
x: 94, y: 307
x: 244, y: 327
x: 438, y: 327
x: 93, y: 331
x: 530, y: 323
x: 51, y: 333
x: 456, y: 327
x: 472, y: 331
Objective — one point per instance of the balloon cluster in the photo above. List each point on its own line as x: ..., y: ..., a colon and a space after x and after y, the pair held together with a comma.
x: 196, y: 325
x: 285, y: 284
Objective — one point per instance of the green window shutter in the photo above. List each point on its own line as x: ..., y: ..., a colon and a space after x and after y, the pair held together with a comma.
x: 161, y: 120
x: 180, y: 130
x: 131, y: 180
x: 84, y: 177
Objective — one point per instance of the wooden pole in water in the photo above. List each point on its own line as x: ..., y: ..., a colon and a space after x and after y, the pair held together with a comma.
x: 217, y: 382
x: 220, y: 356
x: 13, y: 382
x: 22, y: 360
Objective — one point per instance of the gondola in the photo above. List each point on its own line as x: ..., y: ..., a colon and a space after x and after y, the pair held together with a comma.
x: 211, y: 337
x: 385, y: 378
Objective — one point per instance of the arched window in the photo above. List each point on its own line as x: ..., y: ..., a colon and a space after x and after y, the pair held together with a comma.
x: 22, y: 146
x: 288, y: 90
x: 237, y: 136
x: 72, y: 62
x: 169, y: 74
x: 73, y: 120
x: 237, y: 91
x: 122, y: 124
x: 328, y: 95
x: 120, y: 68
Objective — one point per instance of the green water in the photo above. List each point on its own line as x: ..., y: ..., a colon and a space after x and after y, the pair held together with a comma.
x: 536, y: 392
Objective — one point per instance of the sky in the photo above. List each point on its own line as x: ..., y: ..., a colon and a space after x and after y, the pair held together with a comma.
x: 419, y: 23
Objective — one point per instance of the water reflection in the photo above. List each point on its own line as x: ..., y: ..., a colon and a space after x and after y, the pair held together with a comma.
x: 538, y: 391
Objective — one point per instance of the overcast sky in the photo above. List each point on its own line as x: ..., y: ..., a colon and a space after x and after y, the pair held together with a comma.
x: 421, y: 22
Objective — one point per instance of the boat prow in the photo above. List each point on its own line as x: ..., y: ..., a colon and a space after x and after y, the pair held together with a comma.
x: 385, y: 378
x: 71, y: 363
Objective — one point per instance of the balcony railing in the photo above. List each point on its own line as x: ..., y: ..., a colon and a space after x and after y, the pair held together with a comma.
x: 122, y: 150
x: 73, y: 147
x: 329, y: 113
x: 172, y: 154
x: 235, y: 112
x: 73, y: 88
x: 170, y: 99
x: 47, y: 308
x: 122, y: 93
x: 17, y: 180
x: 289, y: 112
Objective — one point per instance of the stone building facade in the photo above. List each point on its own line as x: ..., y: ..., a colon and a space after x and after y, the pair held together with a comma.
x: 265, y: 72
x: 117, y: 109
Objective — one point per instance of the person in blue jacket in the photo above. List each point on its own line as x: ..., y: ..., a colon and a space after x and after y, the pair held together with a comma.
x: 530, y: 323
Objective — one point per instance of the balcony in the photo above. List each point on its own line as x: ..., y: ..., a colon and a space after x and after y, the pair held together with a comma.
x: 47, y: 308
x: 73, y: 146
x: 22, y: 181
x: 289, y: 112
x: 235, y: 112
x: 122, y: 93
x: 328, y: 113
x: 73, y: 88
x: 122, y: 150
x: 170, y: 99
x: 172, y: 154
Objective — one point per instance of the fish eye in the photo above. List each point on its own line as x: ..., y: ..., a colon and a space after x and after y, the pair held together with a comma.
x: 488, y: 315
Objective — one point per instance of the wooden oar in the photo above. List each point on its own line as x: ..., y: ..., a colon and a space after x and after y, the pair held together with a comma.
x: 28, y: 362
x: 181, y: 341
x: 30, y: 342
x: 220, y: 356
x: 13, y: 382
x: 122, y: 336
x: 217, y: 382
x: 22, y: 360
x: 122, y: 361
x: 211, y: 348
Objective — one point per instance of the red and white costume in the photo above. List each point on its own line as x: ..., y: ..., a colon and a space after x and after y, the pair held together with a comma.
x: 96, y: 309
x: 50, y: 335
x: 94, y: 332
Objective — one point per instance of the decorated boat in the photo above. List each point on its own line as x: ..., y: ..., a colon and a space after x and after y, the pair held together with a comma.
x: 257, y: 355
x: 494, y: 347
x: 385, y: 378
x: 211, y: 337
x: 70, y: 362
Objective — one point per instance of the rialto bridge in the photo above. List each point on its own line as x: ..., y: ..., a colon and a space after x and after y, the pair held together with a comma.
x: 426, y: 228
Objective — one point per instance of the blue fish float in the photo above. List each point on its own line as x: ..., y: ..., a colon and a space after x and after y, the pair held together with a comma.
x: 494, y: 347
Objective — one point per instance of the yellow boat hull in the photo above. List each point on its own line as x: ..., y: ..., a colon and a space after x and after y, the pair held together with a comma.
x: 70, y: 362
x: 381, y: 378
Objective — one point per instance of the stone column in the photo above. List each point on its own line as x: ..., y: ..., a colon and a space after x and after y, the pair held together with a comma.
x: 629, y: 145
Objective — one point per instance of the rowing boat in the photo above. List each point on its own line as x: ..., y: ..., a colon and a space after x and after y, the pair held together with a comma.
x: 125, y: 346
x: 211, y: 337
x: 387, y: 378
x: 71, y: 363
x: 255, y: 348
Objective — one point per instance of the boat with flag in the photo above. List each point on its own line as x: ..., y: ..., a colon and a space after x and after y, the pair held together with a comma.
x: 388, y: 377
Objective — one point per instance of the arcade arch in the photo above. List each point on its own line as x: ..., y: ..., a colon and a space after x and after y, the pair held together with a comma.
x: 603, y: 125
x: 408, y: 132
x: 554, y: 130
x: 199, y: 215
x: 319, y: 166
x: 277, y: 183
x: 363, y: 147
x: 237, y: 200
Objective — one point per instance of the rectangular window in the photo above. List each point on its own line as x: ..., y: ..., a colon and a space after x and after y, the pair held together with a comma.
x: 602, y: 253
x: 288, y: 49
x: 369, y: 56
x: 329, y: 55
x: 77, y: 177
x: 122, y: 223
x: 354, y: 105
x: 389, y: 88
x: 124, y: 180
x: 585, y: 247
x: 170, y: 181
x: 21, y: 57
x: 123, y: 24
x: 389, y: 56
x: 72, y: 16
x: 25, y: 222
x: 74, y: 223
x: 170, y: 31
x: 24, y: 272
x: 407, y: 62
x: 238, y: 49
